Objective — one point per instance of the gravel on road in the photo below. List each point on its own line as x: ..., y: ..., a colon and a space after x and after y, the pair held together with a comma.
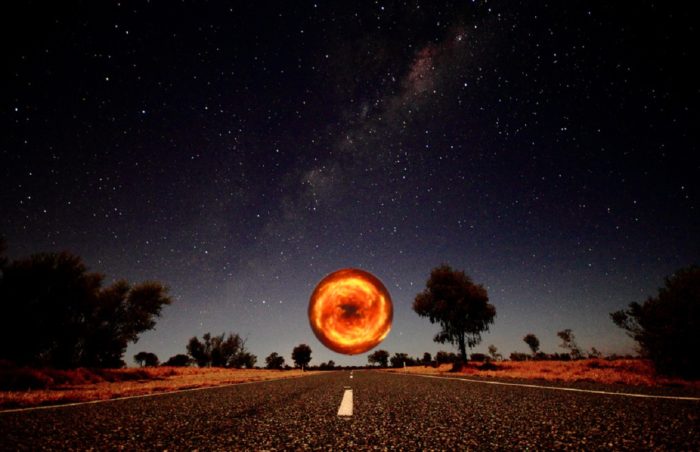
x: 390, y: 412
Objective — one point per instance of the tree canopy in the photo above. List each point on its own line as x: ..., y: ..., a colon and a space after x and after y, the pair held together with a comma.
x: 379, y: 357
x: 532, y: 342
x: 55, y: 313
x: 220, y: 351
x: 146, y: 359
x: 568, y: 341
x: 459, y: 306
x: 400, y: 359
x: 274, y: 361
x: 301, y: 355
x: 666, y: 326
x: 179, y: 360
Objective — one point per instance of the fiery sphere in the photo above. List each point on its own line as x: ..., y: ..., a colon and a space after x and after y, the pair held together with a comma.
x: 350, y: 311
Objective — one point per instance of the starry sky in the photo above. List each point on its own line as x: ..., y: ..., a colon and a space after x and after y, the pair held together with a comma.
x: 239, y: 152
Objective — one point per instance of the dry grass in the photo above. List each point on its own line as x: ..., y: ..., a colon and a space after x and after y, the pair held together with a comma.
x: 634, y: 372
x: 81, y: 385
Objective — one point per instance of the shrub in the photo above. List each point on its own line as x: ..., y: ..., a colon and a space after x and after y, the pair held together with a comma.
x: 517, y: 356
x: 479, y: 357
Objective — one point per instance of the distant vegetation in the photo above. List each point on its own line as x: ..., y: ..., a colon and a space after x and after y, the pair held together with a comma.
x: 274, y: 361
x: 667, y: 327
x: 379, y: 357
x: 220, y: 351
x: 55, y: 313
x: 146, y: 359
x: 459, y: 306
x: 301, y: 355
x: 532, y: 342
x: 178, y: 360
x: 568, y: 342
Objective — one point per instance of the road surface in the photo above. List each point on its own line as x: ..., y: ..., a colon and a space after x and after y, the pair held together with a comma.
x: 388, y: 411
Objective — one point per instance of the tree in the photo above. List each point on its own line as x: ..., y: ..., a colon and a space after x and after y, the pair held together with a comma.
x: 532, y: 342
x: 594, y: 353
x: 246, y: 360
x: 55, y: 313
x: 458, y: 305
x: 399, y: 359
x: 427, y: 359
x: 178, y: 360
x: 379, y: 357
x: 568, y: 341
x: 493, y: 352
x: 517, y: 356
x: 330, y: 365
x: 301, y: 355
x: 200, y: 351
x: 146, y: 359
x: 666, y: 326
x: 219, y: 351
x: 443, y: 357
x: 274, y: 361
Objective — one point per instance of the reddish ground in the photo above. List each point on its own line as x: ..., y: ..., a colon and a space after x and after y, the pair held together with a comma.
x: 636, y: 372
x: 32, y: 387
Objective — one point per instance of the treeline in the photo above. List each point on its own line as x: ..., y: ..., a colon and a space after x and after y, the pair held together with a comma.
x: 228, y: 351
x: 55, y: 313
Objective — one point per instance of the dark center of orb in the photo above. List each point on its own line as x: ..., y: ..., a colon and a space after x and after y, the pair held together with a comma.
x: 350, y: 311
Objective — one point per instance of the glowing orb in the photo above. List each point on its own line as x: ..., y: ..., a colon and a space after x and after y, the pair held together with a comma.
x: 350, y: 311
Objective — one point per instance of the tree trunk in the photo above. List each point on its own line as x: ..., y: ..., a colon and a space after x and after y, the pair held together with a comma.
x: 462, y: 348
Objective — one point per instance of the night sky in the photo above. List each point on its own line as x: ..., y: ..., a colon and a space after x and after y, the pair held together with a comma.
x: 239, y: 153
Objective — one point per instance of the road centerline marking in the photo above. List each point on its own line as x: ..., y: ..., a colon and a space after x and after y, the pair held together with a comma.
x: 345, y: 408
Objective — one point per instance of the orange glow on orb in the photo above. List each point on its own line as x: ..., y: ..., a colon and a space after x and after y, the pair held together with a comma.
x: 350, y: 311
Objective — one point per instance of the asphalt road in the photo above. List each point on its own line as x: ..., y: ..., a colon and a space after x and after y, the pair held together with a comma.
x: 390, y: 412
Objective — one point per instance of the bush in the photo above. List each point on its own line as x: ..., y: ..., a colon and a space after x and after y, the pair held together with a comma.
x: 488, y: 365
x: 517, y: 356
x: 479, y: 357
x: 666, y: 326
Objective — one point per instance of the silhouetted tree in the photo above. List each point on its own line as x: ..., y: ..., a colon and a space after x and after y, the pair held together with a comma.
x: 146, y: 359
x: 666, y: 326
x: 517, y: 356
x: 399, y: 359
x: 532, y: 342
x: 246, y: 360
x: 443, y: 357
x: 493, y: 351
x: 53, y: 312
x: 594, y: 353
x: 479, y: 357
x: 301, y: 355
x: 379, y: 357
x: 568, y: 341
x: 458, y: 305
x: 274, y: 361
x: 219, y: 351
x: 178, y: 360
x: 330, y: 365
x: 427, y: 359
x: 200, y: 351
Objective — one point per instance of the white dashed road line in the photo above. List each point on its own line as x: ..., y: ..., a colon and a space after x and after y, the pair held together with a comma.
x: 346, y: 404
